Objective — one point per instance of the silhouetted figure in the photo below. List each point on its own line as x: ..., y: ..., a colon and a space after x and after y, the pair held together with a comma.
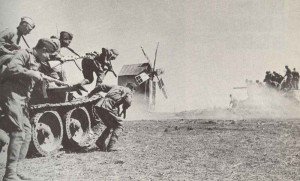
x: 295, y: 79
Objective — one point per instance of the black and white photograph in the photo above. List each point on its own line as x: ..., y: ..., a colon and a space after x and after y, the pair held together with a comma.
x: 200, y: 90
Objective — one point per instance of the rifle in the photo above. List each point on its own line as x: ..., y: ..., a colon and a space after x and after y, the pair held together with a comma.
x: 50, y: 79
x: 25, y: 41
x: 110, y: 69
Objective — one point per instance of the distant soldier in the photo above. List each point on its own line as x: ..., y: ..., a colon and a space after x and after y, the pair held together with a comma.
x: 233, y: 102
x: 19, y: 77
x: 278, y: 78
x: 108, y: 110
x: 288, y: 81
x: 258, y: 83
x: 98, y: 63
x: 10, y: 39
x: 295, y: 79
x: 268, y: 78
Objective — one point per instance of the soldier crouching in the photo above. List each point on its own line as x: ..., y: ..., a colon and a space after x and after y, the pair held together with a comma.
x: 108, y: 110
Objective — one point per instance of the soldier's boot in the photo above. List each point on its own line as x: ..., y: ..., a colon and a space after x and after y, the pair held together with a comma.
x: 13, y: 152
x: 23, y: 153
x: 111, y: 146
x: 101, y: 140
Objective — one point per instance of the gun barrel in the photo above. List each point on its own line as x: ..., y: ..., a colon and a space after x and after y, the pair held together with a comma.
x: 239, y: 87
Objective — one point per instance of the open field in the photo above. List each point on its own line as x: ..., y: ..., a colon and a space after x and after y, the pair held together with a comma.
x: 185, y: 149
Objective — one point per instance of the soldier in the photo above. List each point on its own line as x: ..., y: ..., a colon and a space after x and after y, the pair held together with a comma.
x: 20, y: 75
x: 107, y: 110
x: 10, y: 39
x: 233, y: 102
x: 278, y: 78
x: 268, y: 78
x: 57, y: 71
x: 295, y: 79
x: 98, y: 63
x: 288, y: 82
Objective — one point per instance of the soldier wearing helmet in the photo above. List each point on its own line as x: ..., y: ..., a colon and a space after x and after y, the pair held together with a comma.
x: 98, y: 63
x: 10, y: 39
x: 268, y: 78
x: 56, y: 70
x: 108, y: 110
x: 19, y: 77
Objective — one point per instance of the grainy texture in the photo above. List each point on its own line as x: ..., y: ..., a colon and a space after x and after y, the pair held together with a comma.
x: 185, y: 150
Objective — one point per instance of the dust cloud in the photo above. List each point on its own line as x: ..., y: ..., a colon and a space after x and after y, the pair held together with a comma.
x: 262, y: 103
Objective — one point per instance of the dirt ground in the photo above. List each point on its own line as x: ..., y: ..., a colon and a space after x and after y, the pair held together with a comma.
x: 185, y: 149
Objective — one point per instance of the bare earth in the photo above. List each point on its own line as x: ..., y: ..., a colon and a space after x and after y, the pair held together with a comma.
x: 185, y: 149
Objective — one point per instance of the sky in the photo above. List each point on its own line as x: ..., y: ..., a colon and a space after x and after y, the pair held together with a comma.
x: 206, y: 47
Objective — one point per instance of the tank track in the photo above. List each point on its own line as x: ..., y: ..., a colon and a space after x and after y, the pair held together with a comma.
x: 74, y: 103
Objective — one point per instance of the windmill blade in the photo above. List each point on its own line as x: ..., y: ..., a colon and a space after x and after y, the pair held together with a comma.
x: 161, y: 86
x: 155, y: 56
x: 145, y: 54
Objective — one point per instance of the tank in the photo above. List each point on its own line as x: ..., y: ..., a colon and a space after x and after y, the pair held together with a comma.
x: 61, y: 120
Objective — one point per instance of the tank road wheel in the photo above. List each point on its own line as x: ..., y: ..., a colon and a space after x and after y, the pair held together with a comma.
x: 47, y: 132
x: 78, y: 127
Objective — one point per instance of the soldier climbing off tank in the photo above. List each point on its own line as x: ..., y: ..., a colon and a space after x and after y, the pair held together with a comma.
x: 108, y: 110
x: 295, y: 79
x: 98, y: 63
x: 10, y: 39
x: 57, y: 70
x: 19, y: 77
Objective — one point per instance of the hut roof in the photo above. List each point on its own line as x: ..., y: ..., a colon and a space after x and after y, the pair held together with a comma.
x: 134, y: 69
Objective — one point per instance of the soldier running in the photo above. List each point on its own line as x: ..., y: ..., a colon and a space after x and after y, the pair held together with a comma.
x: 108, y: 110
x: 19, y: 77
x: 233, y: 102
x: 98, y: 63
x: 295, y: 79
x: 10, y: 39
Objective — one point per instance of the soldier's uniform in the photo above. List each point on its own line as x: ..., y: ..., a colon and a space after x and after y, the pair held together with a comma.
x: 10, y: 39
x: 16, y: 87
x: 56, y: 71
x: 233, y: 102
x: 295, y: 79
x: 98, y: 64
x: 288, y: 81
x: 268, y: 78
x: 108, y: 109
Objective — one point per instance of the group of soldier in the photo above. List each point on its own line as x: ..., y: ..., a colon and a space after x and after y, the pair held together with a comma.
x: 22, y: 69
x: 287, y: 82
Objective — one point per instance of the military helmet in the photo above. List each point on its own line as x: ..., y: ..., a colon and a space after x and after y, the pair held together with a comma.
x: 28, y: 20
x: 51, y: 45
x: 66, y: 35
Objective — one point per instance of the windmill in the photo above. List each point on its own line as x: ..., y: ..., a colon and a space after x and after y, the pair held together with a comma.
x: 151, y: 76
